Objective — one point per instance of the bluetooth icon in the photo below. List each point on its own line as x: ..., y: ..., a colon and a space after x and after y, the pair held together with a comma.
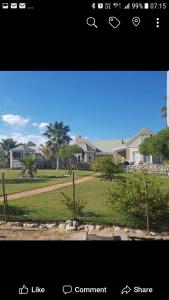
x: 93, y: 5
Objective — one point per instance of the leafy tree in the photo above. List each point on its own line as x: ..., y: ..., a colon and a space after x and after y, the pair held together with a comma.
x: 107, y: 166
x: 29, y: 166
x: 157, y: 144
x: 57, y: 135
x: 29, y: 144
x: 77, y: 209
x: 2, y: 157
x: 46, y: 153
x: 6, y: 145
x: 139, y: 195
x: 68, y: 152
x: 147, y: 147
x: 73, y: 204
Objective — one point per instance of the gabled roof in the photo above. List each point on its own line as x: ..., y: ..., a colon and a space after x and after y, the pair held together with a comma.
x: 24, y: 148
x: 84, y: 144
x: 142, y: 132
x: 108, y: 145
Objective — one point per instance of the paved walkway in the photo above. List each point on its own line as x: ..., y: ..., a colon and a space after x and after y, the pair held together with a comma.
x: 48, y: 188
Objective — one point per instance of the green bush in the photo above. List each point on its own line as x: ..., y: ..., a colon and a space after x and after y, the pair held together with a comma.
x: 76, y: 207
x: 108, y: 166
x: 139, y: 195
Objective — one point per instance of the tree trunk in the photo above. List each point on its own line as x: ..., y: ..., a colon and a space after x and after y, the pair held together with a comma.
x: 31, y: 173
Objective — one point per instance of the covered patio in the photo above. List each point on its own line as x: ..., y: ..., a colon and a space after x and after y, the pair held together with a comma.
x: 18, y: 153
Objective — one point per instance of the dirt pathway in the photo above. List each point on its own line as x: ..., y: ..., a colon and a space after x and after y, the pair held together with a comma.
x: 48, y: 188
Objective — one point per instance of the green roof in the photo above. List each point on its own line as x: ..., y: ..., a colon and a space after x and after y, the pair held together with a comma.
x: 108, y: 145
x: 22, y: 148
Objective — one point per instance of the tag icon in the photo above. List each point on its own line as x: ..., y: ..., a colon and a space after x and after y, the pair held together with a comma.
x: 136, y: 21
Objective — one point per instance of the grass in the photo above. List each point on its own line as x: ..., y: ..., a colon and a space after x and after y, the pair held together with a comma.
x: 13, y: 182
x: 49, y: 207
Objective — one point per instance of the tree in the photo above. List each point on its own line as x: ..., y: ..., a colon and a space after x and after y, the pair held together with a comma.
x: 147, y: 147
x: 108, y: 166
x: 73, y: 204
x: 164, y: 113
x: 139, y: 195
x: 29, y: 165
x: 30, y: 144
x: 157, y: 145
x: 6, y: 145
x: 2, y: 157
x: 57, y: 135
x: 46, y: 153
x: 68, y: 152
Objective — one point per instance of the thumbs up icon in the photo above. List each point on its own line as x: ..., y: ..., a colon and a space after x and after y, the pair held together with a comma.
x: 23, y: 290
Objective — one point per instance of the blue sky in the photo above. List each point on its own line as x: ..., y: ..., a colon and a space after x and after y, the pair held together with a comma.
x: 97, y: 105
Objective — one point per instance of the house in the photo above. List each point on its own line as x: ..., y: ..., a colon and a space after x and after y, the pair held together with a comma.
x: 23, y: 151
x: 127, y: 149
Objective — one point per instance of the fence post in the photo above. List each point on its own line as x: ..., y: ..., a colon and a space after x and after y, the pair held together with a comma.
x: 4, y: 197
x: 74, y: 204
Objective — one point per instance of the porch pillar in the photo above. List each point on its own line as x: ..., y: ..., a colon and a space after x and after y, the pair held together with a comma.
x: 11, y: 160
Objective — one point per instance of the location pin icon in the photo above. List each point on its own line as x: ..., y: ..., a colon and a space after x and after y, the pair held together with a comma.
x: 136, y: 21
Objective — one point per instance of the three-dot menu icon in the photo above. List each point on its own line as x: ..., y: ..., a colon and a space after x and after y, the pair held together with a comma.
x: 157, y: 22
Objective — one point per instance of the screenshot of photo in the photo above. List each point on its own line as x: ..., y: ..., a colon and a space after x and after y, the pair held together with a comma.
x: 84, y: 149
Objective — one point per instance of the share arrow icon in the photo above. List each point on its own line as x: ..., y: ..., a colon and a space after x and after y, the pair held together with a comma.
x: 126, y: 290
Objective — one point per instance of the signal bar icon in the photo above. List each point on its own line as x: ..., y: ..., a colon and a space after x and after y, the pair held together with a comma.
x: 127, y: 6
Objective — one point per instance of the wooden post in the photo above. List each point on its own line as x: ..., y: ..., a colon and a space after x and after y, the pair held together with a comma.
x: 147, y: 213
x: 74, y: 203
x: 4, y: 196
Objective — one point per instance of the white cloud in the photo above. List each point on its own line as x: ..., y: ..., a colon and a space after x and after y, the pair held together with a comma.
x: 24, y: 138
x: 14, y: 120
x: 43, y: 125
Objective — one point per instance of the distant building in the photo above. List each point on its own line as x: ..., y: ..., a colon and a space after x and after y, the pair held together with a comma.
x: 127, y: 149
x: 23, y: 151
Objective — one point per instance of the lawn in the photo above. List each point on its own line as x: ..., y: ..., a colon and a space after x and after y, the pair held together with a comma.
x: 13, y: 182
x: 49, y: 207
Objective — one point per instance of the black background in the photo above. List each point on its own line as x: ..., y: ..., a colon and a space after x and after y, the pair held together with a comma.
x: 42, y: 41
x: 55, y: 36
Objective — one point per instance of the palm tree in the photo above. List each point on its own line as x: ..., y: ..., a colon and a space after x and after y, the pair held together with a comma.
x: 29, y: 165
x: 164, y: 113
x: 58, y: 136
x: 6, y: 145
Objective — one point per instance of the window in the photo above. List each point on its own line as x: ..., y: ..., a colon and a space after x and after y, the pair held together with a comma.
x: 147, y: 158
x: 135, y: 156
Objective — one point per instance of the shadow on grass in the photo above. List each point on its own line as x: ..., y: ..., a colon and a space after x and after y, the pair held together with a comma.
x: 15, y: 213
x: 25, y: 180
x: 52, y: 176
x: 115, y: 177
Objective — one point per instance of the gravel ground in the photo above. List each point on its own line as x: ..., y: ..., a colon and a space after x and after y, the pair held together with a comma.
x: 15, y: 233
x: 8, y: 232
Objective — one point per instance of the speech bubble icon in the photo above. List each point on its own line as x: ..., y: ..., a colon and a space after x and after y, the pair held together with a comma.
x: 67, y: 289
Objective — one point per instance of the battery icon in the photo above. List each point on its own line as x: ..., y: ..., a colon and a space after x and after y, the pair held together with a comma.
x: 146, y: 5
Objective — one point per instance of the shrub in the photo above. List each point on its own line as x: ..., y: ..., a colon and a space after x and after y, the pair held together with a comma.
x: 140, y: 194
x: 107, y: 166
x: 76, y: 208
